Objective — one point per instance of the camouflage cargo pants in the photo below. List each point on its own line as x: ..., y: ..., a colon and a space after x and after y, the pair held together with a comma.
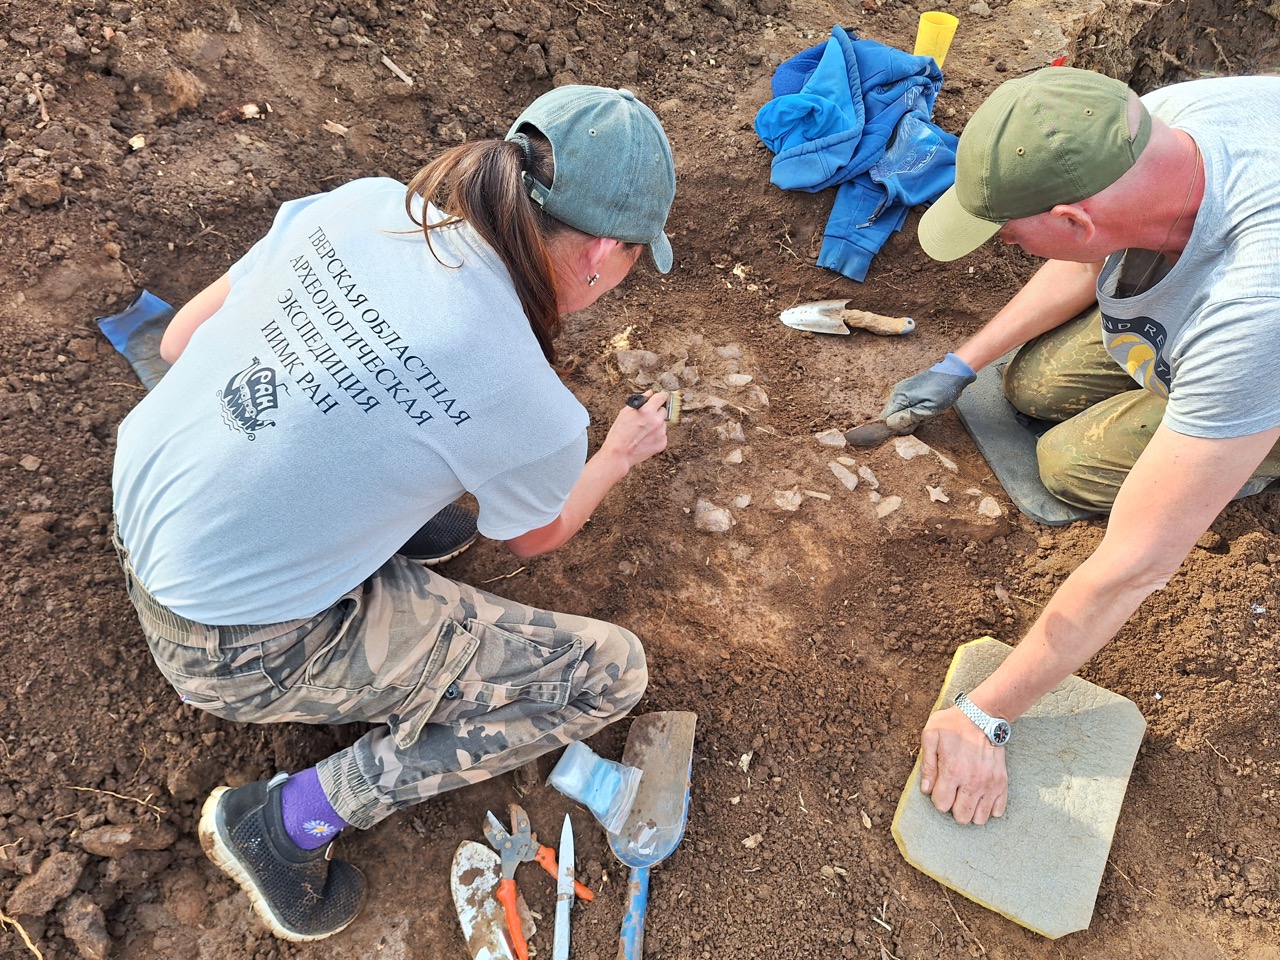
x: 1104, y: 419
x: 462, y: 685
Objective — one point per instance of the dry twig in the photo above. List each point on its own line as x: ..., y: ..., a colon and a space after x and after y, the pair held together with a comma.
x: 44, y: 110
x: 121, y: 796
x: 6, y: 919
x: 505, y: 576
x: 964, y: 926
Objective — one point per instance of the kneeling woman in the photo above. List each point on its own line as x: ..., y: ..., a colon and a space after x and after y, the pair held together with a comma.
x: 380, y: 352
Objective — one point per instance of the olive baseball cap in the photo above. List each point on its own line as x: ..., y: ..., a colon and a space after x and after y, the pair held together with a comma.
x: 614, y: 175
x: 1057, y: 136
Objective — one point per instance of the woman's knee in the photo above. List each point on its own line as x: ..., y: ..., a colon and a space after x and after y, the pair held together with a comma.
x: 625, y: 667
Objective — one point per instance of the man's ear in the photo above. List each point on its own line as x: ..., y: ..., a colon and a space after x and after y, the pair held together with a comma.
x: 1076, y: 218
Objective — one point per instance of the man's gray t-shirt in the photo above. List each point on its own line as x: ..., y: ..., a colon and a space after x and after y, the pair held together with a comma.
x: 350, y: 387
x: 1205, y: 335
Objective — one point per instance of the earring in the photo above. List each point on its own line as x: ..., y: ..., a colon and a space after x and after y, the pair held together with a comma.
x: 591, y: 280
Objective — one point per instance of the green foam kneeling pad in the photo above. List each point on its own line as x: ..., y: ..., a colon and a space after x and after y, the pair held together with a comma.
x: 1069, y: 761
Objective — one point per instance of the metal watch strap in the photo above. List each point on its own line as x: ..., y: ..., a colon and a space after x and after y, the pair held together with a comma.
x: 996, y: 729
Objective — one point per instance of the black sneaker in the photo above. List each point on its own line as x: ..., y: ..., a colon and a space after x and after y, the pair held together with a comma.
x: 299, y: 894
x: 442, y: 537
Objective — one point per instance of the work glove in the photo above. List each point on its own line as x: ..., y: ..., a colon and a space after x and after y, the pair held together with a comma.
x: 926, y: 394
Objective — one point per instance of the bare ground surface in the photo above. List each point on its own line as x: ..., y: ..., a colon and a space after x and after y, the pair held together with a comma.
x: 813, y: 640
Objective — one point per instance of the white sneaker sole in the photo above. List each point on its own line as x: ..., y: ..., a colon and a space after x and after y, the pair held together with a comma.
x: 216, y: 849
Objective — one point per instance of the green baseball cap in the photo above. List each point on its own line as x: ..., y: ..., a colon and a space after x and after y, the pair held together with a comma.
x: 614, y: 175
x: 1057, y: 136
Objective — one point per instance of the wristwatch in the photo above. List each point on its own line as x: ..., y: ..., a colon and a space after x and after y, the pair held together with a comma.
x: 997, y: 730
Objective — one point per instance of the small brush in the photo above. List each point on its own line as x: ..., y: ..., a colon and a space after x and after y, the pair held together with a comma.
x: 674, y: 404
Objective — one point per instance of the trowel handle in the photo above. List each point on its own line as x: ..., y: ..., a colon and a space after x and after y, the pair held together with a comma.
x: 631, y: 942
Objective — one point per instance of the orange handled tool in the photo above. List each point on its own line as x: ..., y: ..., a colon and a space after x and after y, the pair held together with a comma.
x: 507, y: 897
x: 515, y: 847
x: 547, y: 857
x: 511, y: 848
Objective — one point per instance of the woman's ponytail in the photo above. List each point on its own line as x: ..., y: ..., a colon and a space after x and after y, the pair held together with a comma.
x: 481, y: 183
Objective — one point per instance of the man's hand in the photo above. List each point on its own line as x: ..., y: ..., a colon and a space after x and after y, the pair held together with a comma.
x: 961, y: 770
x: 926, y: 394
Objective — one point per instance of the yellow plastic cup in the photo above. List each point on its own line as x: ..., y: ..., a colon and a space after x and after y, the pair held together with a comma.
x: 933, y: 38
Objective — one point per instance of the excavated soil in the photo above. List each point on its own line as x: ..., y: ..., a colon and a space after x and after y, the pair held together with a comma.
x: 810, y: 642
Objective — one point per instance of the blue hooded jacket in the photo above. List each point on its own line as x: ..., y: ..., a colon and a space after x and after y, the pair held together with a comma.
x: 856, y: 113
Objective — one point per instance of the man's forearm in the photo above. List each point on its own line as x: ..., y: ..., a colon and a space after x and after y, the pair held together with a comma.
x: 1059, y: 291
x: 1085, y: 613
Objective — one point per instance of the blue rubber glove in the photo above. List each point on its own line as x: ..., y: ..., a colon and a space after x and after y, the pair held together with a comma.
x: 927, y: 394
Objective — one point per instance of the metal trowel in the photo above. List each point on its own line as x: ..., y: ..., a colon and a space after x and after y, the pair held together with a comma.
x: 474, y: 880
x: 836, y: 316
x: 661, y: 745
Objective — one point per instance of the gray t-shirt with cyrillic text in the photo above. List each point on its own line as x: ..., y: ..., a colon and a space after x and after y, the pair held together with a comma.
x: 351, y: 385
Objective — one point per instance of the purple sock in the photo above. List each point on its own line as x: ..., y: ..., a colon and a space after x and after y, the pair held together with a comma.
x: 309, y: 818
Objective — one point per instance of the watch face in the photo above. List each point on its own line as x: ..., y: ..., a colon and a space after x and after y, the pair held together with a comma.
x: 1000, y: 733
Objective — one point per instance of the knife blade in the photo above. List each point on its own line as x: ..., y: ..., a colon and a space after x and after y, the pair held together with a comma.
x: 564, y: 892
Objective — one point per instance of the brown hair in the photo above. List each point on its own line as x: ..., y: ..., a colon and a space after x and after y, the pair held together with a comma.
x: 480, y: 182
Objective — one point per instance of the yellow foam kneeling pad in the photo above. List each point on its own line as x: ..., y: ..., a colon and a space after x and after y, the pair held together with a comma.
x: 1069, y: 761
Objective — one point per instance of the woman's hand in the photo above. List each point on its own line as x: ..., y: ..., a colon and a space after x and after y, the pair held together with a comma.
x: 637, y: 434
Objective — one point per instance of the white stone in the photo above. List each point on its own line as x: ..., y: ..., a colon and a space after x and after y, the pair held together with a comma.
x: 909, y: 447
x: 866, y: 474
x: 707, y: 516
x: 734, y: 455
x: 788, y: 499
x: 731, y: 431
x: 936, y: 494
x: 989, y: 508
x: 830, y: 438
x: 844, y: 475
x: 738, y: 379
x: 887, y: 506
x: 947, y: 462
x: 742, y: 501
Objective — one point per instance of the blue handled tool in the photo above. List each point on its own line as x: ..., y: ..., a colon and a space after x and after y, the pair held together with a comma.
x: 661, y: 745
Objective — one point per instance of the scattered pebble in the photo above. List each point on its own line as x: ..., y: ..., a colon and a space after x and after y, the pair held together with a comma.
x: 631, y: 362
x: 30, y: 463
x: 830, y: 438
x: 936, y: 494
x: 738, y: 379
x: 844, y: 475
x: 788, y: 499
x: 731, y: 431
x: 734, y: 455
x: 817, y: 494
x: 742, y: 501
x: 988, y: 507
x: 909, y: 447
x: 947, y: 462
x: 710, y: 518
x: 866, y: 474
x: 730, y: 351
x: 887, y: 506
